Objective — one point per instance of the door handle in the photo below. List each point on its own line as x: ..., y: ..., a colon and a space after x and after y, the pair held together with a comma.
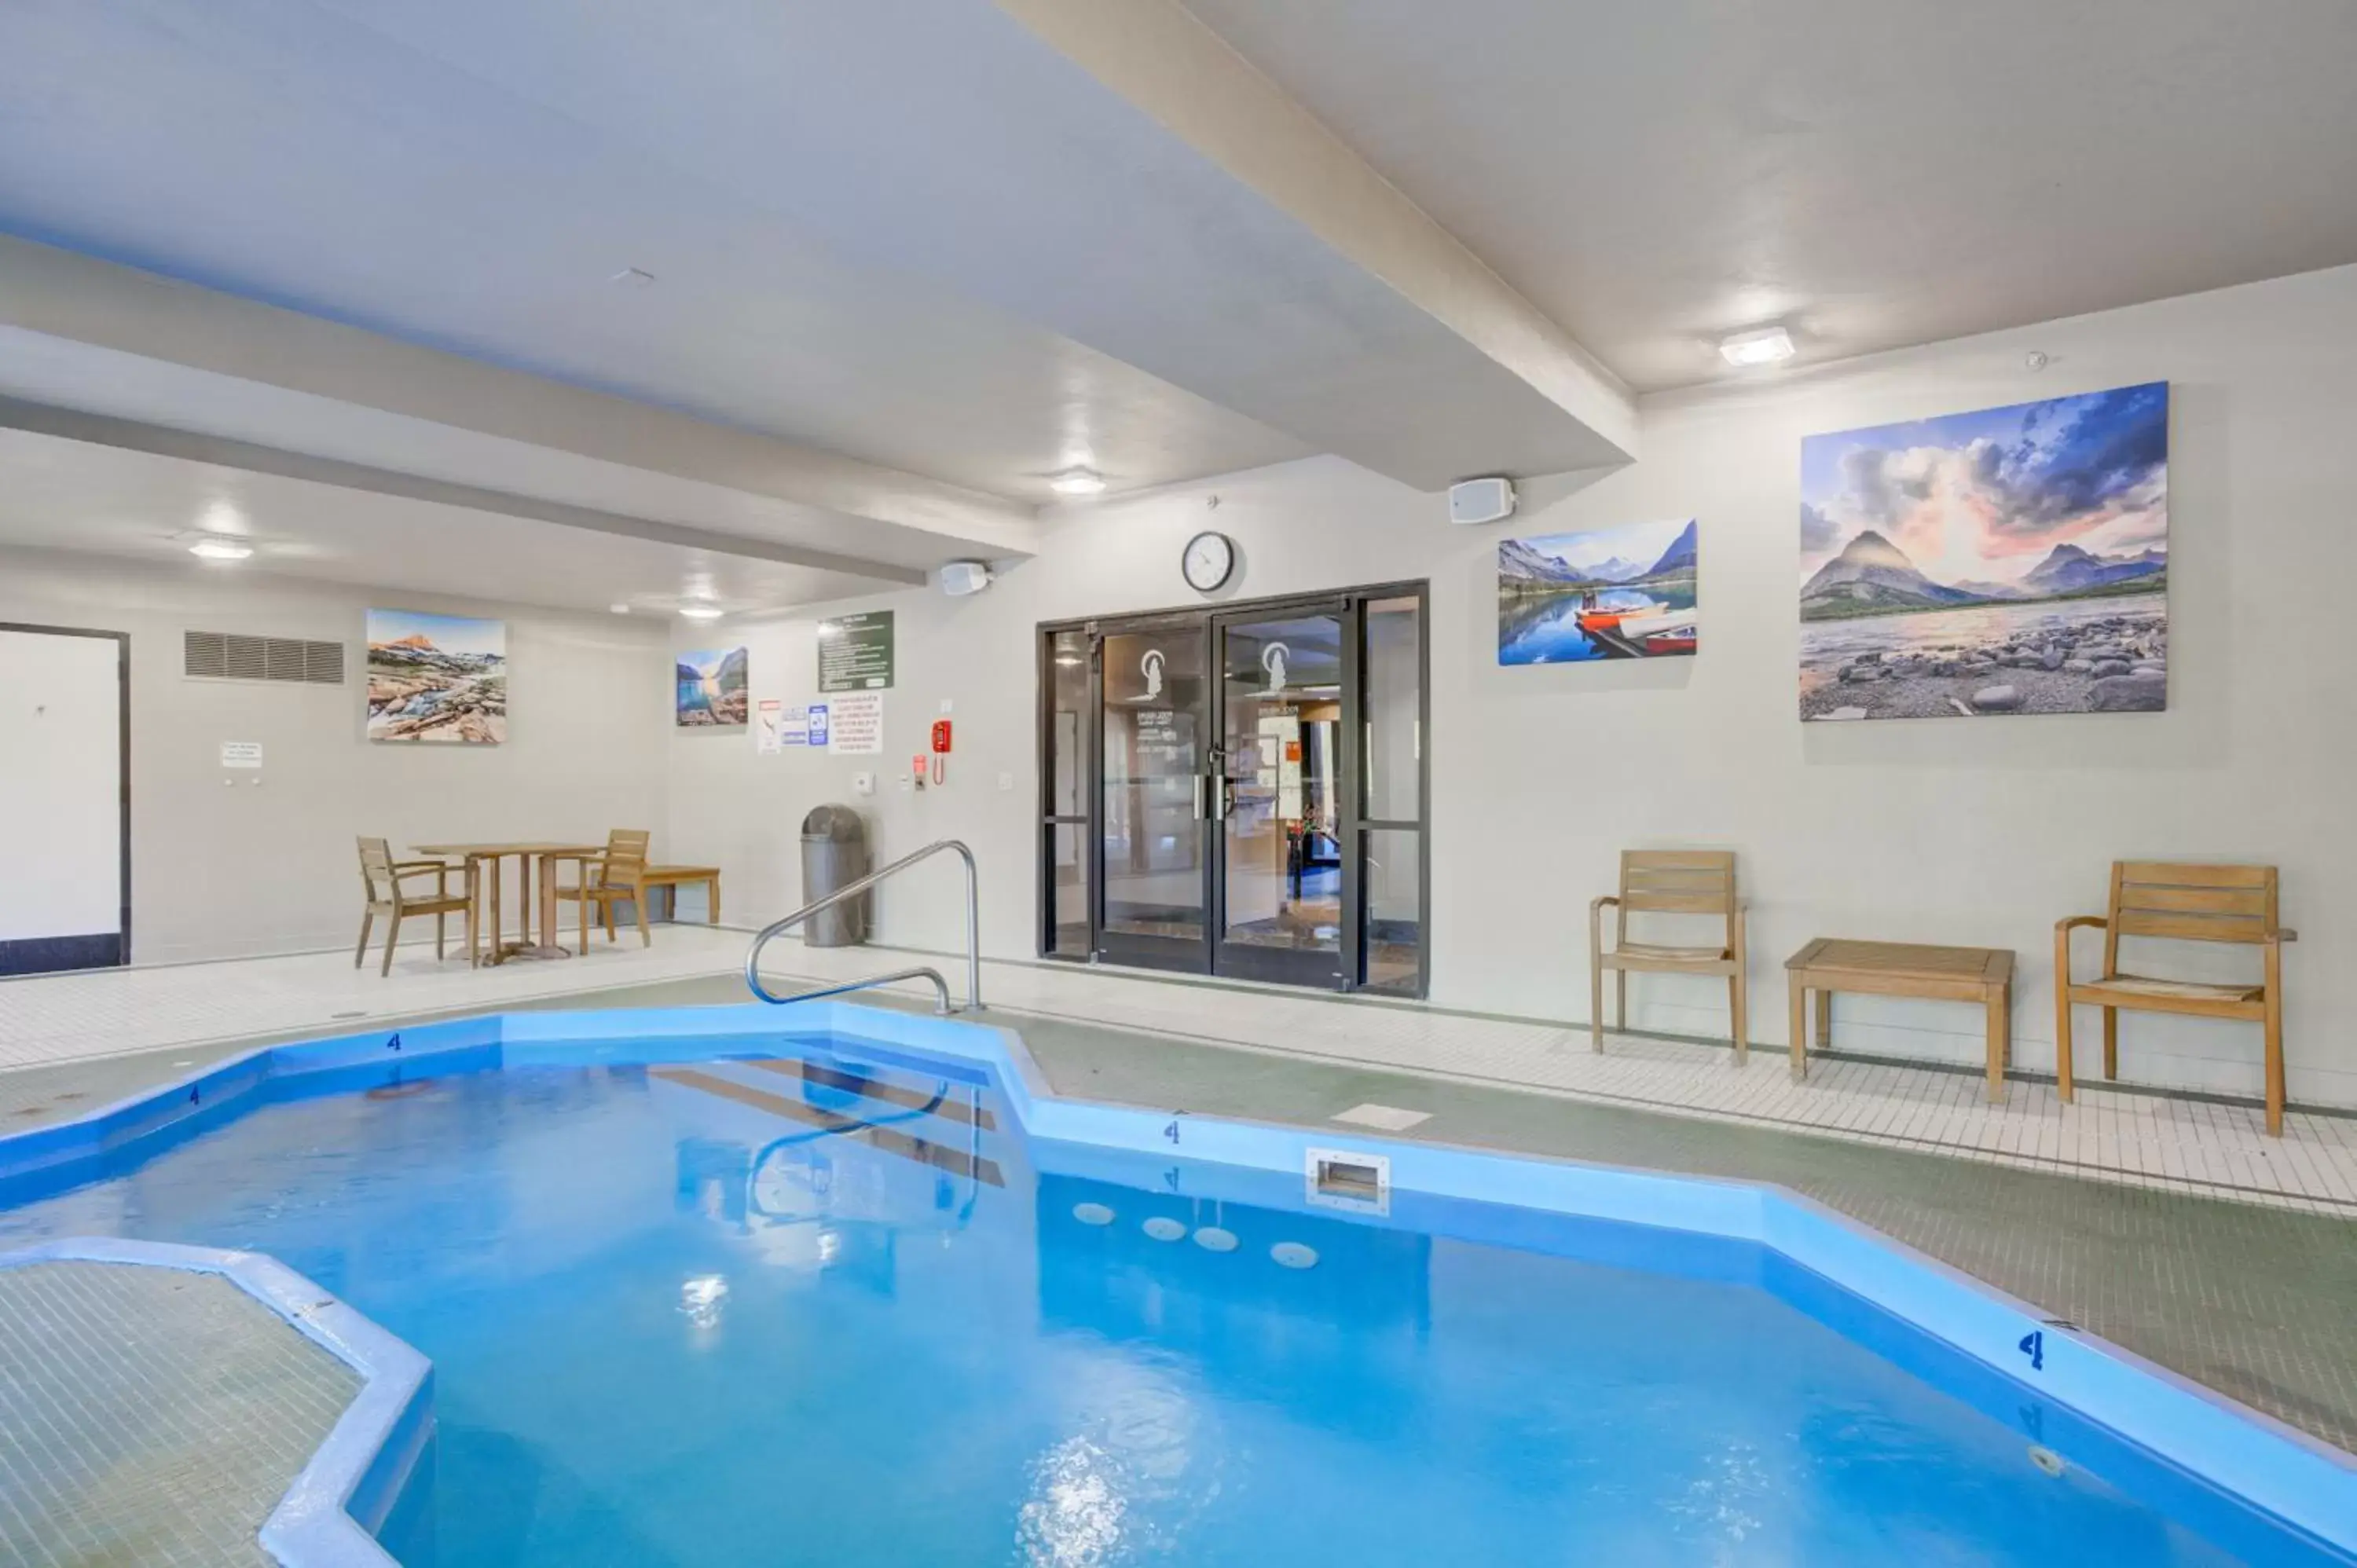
x: 1198, y: 797
x: 1227, y: 801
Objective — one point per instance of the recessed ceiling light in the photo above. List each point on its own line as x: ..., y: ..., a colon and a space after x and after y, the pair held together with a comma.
x: 220, y: 550
x: 632, y: 277
x: 702, y: 612
x: 1765, y: 347
x: 1078, y: 482
x: 620, y: 609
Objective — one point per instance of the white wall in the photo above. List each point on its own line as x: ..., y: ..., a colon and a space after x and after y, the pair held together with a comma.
x: 229, y: 862
x: 1972, y: 832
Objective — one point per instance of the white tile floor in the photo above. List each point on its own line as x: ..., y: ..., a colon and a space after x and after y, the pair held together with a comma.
x: 100, y: 1013
x: 2140, y: 1139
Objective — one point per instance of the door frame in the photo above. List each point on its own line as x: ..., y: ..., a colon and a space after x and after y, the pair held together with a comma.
x: 85, y: 952
x: 1354, y: 824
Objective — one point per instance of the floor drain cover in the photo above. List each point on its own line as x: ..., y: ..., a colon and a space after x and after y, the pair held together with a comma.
x: 1388, y: 1118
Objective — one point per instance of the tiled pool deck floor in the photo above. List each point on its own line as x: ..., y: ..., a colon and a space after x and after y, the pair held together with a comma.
x: 150, y: 1415
x: 2142, y: 1139
x: 2244, y: 1285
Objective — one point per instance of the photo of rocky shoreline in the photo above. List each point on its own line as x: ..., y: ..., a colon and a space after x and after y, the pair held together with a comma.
x: 436, y: 678
x: 2009, y: 560
x: 2112, y: 658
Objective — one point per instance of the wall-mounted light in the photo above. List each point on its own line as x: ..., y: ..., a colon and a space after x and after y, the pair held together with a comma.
x: 1768, y: 346
x: 1078, y: 482
x: 218, y: 548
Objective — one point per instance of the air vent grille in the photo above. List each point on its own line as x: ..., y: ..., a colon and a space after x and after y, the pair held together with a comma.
x: 231, y: 656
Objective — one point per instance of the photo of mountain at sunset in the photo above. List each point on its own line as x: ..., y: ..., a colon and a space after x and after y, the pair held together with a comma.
x: 2013, y: 560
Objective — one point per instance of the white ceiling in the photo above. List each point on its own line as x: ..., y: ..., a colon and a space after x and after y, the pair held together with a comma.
x: 72, y: 495
x: 912, y: 259
x: 1872, y: 173
x: 294, y: 153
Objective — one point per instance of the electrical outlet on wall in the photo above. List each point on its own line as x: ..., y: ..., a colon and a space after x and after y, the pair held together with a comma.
x: 1007, y: 780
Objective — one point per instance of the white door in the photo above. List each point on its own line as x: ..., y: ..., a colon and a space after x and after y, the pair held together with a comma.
x: 62, y: 899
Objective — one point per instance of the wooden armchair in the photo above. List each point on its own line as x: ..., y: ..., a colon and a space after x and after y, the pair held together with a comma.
x: 381, y: 876
x: 1669, y: 881
x: 2190, y: 903
x: 607, y: 879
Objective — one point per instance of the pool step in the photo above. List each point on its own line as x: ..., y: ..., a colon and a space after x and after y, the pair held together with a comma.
x: 886, y: 1125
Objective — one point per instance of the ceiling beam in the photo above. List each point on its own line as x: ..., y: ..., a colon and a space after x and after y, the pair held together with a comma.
x: 1166, y: 63
x: 105, y: 430
x: 75, y: 299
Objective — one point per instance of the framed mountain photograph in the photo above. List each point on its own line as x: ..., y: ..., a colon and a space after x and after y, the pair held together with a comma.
x: 436, y: 678
x: 2009, y: 560
x: 711, y: 688
x: 1613, y: 592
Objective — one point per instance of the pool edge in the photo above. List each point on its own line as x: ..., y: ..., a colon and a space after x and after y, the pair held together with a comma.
x: 2307, y: 1484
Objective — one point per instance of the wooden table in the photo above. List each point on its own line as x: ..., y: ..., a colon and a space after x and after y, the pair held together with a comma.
x: 1902, y: 969
x: 546, y: 855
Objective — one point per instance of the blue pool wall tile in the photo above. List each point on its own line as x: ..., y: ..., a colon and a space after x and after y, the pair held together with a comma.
x: 42, y: 1160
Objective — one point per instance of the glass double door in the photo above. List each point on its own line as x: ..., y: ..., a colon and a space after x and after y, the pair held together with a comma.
x: 1229, y: 760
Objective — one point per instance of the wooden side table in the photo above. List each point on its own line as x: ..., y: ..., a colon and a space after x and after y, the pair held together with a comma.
x: 1902, y: 969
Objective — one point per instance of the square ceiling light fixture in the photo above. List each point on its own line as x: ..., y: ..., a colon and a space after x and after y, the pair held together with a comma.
x: 1768, y: 346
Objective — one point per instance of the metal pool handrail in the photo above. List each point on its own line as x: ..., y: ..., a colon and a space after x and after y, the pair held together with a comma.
x: 850, y: 889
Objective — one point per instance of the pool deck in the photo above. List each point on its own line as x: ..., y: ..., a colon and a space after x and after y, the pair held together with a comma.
x: 2165, y: 1143
x: 2242, y: 1283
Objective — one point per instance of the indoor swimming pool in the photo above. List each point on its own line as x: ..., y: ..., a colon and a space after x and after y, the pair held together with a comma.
x: 826, y: 1299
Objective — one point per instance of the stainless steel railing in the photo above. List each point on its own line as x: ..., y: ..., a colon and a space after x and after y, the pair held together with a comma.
x: 852, y: 889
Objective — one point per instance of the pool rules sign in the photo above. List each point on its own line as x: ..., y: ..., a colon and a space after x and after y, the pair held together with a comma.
x: 854, y: 652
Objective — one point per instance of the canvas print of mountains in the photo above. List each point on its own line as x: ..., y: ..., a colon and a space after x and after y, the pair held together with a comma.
x: 436, y: 678
x: 1613, y: 592
x: 2010, y: 561
x: 712, y: 689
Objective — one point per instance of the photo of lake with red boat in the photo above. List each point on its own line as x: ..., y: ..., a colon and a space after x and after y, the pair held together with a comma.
x: 2013, y: 560
x: 1612, y: 593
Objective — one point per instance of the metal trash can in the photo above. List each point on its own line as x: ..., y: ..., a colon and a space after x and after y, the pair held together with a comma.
x: 834, y: 855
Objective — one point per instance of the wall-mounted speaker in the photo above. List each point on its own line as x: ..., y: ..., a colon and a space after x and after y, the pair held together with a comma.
x: 1481, y: 500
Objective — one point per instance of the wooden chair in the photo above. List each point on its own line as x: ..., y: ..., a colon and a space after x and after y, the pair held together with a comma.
x: 2190, y: 903
x: 607, y: 879
x: 1669, y: 881
x: 381, y: 876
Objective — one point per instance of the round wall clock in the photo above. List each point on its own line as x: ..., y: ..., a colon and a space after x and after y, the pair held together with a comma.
x: 1209, y: 561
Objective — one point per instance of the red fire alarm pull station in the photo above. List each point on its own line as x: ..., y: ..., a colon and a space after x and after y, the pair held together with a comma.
x: 941, y: 736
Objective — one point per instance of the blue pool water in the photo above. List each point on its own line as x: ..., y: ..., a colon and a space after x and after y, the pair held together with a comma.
x: 820, y: 1311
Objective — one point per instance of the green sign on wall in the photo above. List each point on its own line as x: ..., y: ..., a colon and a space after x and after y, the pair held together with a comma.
x: 854, y: 652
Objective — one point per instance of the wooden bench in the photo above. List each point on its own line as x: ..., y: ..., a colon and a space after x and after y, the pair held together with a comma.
x: 1669, y: 881
x: 2187, y: 903
x: 1902, y: 969
x: 672, y: 877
